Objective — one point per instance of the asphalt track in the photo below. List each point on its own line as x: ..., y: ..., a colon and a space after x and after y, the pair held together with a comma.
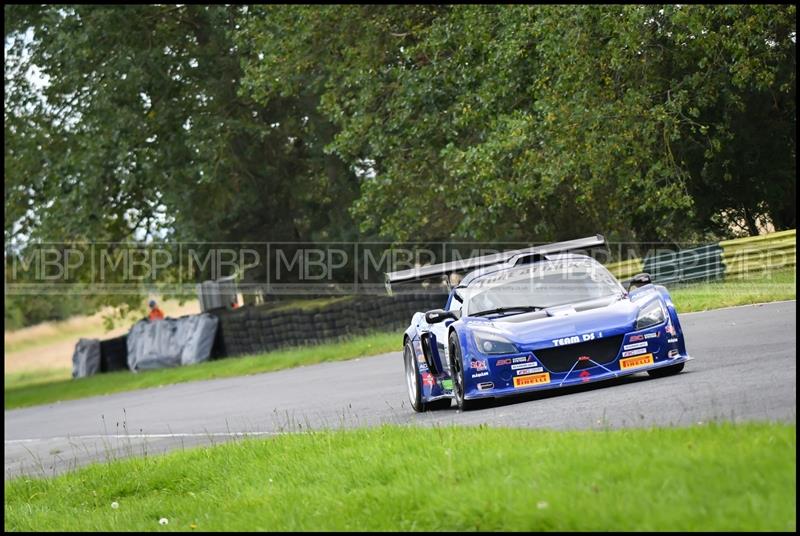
x: 744, y: 369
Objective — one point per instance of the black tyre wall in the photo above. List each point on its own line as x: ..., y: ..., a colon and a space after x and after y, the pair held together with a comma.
x: 258, y: 329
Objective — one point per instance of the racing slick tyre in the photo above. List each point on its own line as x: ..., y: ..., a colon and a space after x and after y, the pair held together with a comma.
x: 457, y: 371
x: 414, y: 384
x: 666, y: 371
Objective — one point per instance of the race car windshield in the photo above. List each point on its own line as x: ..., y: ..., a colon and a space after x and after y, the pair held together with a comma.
x: 540, y: 286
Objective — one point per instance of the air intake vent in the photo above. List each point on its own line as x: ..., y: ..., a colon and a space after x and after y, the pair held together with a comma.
x: 561, y: 358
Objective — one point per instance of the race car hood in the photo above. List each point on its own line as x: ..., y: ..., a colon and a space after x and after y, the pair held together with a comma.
x: 531, y: 328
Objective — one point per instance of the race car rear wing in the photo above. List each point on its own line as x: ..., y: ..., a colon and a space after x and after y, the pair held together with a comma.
x: 425, y: 272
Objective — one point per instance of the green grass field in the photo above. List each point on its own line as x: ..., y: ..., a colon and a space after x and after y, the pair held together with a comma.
x: 37, y: 377
x: 26, y: 389
x: 717, y: 477
x: 774, y: 286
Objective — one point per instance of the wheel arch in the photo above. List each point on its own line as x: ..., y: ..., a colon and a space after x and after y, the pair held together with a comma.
x: 672, y: 311
x: 461, y: 332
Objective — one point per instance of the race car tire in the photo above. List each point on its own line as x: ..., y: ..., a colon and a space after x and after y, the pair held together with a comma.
x: 413, y: 382
x: 457, y: 371
x: 666, y: 371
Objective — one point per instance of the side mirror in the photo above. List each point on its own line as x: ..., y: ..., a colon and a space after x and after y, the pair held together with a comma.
x: 639, y: 280
x: 440, y: 315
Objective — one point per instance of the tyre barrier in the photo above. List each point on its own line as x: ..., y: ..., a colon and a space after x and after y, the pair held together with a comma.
x: 259, y: 329
x: 114, y: 354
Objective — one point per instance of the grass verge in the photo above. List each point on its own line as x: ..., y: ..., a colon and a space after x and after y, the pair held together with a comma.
x: 773, y: 286
x: 28, y: 378
x: 717, y: 477
x: 23, y: 390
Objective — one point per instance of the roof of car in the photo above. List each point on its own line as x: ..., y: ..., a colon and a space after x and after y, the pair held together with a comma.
x: 480, y: 273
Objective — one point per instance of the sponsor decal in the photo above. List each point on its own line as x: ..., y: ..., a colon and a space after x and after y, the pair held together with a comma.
x: 584, y: 376
x: 423, y: 367
x: 502, y: 362
x: 447, y: 385
x: 477, y: 364
x: 485, y: 386
x: 534, y: 379
x: 529, y: 371
x: 634, y: 352
x: 672, y: 340
x: 635, y: 362
x: 640, y: 337
x: 522, y: 359
x: 566, y: 340
x: 670, y: 329
x: 672, y: 354
x: 642, y: 344
x: 575, y: 338
x: 480, y: 374
x: 524, y: 365
x: 428, y: 380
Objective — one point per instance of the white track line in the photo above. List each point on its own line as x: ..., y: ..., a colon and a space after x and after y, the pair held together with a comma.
x: 143, y: 436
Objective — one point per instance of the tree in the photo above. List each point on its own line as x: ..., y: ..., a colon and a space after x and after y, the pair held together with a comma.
x: 547, y: 122
x: 143, y: 127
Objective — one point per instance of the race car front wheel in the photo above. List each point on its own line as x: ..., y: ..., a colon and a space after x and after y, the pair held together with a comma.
x: 457, y: 371
x: 413, y: 383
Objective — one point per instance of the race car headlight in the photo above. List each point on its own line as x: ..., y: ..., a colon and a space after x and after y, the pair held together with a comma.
x: 650, y: 315
x: 489, y: 343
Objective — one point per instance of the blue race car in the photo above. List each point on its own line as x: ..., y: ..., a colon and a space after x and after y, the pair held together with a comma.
x: 534, y: 319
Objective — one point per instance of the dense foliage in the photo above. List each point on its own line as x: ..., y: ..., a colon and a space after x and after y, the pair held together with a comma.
x: 644, y: 122
x: 306, y: 123
x: 143, y: 126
